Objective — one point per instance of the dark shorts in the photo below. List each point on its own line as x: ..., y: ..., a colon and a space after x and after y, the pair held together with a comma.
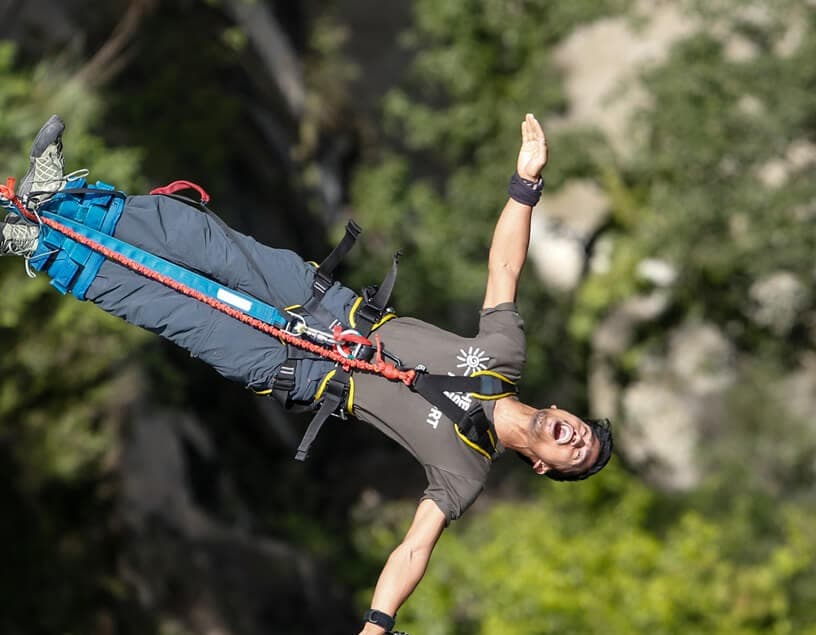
x: 188, y: 237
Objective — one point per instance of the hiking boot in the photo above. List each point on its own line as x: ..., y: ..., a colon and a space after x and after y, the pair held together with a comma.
x: 18, y: 238
x: 44, y: 177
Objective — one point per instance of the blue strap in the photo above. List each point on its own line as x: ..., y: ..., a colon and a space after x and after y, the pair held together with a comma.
x: 245, y: 303
x: 71, y: 266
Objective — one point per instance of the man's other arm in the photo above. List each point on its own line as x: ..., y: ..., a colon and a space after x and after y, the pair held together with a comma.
x: 511, y: 237
x: 407, y: 563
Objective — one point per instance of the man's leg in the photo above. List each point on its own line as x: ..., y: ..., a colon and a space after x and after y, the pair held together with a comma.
x: 235, y: 350
x: 189, y: 237
x: 176, y: 231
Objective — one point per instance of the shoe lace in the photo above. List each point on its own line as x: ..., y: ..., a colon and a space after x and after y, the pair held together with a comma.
x: 64, y: 179
x: 18, y: 236
x: 23, y: 247
x: 25, y: 244
x: 74, y: 176
x: 21, y: 242
x: 49, y: 165
x: 32, y: 201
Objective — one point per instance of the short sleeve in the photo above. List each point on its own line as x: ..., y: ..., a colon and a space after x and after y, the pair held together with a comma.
x: 453, y: 494
x: 502, y: 318
x: 502, y: 329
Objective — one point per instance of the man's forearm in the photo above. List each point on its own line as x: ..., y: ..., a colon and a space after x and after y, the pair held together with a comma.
x: 402, y: 572
x: 511, y: 238
x: 508, y: 251
x: 407, y: 563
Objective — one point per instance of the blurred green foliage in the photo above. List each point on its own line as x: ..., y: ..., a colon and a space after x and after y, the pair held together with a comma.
x: 609, y: 556
x: 59, y: 355
x: 606, y: 556
x: 61, y: 377
x: 435, y: 186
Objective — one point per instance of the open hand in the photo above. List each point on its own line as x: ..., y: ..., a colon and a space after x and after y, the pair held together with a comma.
x: 533, y: 153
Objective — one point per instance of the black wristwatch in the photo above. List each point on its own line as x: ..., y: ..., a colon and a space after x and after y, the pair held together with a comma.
x: 383, y: 620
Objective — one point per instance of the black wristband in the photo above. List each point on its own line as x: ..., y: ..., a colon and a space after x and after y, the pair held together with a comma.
x: 524, y: 191
x: 379, y: 618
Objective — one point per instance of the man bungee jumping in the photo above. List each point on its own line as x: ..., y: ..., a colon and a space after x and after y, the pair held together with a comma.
x: 284, y: 328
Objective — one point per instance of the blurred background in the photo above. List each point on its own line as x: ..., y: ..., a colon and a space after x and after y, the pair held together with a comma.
x: 669, y: 287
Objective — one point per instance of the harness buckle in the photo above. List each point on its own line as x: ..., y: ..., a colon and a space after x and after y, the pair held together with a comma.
x: 297, y: 325
x: 321, y: 283
x: 337, y: 390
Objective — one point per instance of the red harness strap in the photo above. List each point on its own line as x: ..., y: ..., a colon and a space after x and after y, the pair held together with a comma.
x: 178, y: 186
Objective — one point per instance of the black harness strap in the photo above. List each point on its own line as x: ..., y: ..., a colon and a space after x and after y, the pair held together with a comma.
x: 376, y: 297
x: 87, y: 191
x: 477, y: 431
x: 324, y: 276
x: 367, y: 315
x: 483, y: 386
x: 284, y: 381
x: 472, y: 424
x: 334, y: 398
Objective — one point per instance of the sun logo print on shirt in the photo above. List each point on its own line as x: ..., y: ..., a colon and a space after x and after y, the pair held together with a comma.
x: 472, y: 360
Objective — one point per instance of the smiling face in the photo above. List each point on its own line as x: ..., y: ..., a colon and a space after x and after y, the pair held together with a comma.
x: 561, y: 441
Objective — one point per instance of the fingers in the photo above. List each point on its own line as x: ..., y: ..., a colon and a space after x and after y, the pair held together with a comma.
x: 531, y: 129
x: 534, y: 128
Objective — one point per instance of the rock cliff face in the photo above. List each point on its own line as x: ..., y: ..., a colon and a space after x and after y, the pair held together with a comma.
x: 193, y: 567
x: 601, y: 62
x: 675, y: 399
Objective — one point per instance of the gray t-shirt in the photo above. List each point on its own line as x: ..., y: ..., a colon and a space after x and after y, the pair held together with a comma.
x: 456, y: 473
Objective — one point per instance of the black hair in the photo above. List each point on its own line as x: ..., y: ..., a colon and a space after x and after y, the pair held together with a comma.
x: 601, y: 430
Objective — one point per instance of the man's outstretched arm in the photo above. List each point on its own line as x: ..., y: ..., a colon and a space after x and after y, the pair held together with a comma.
x: 511, y: 238
x: 407, y: 563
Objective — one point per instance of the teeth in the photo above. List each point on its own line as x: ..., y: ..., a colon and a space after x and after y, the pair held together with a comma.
x: 564, y: 433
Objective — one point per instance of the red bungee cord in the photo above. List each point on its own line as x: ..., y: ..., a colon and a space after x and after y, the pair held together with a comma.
x: 379, y: 367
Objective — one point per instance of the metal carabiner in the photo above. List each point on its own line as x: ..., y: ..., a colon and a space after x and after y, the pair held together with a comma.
x: 297, y: 325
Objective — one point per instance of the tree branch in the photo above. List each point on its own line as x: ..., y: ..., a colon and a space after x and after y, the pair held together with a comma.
x: 109, y: 59
x: 273, y: 47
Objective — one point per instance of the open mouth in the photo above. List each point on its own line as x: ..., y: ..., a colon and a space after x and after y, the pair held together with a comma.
x: 562, y: 432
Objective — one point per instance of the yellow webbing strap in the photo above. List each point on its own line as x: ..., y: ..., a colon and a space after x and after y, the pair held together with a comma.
x: 353, y: 320
x: 325, y: 381
x: 474, y: 446
x: 493, y: 373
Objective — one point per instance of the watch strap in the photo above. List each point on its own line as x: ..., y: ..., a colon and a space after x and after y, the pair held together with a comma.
x: 379, y: 618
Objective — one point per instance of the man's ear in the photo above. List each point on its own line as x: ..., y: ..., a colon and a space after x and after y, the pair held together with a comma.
x: 540, y: 467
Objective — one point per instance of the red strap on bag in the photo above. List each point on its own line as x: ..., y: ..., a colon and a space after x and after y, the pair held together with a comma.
x: 177, y: 186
